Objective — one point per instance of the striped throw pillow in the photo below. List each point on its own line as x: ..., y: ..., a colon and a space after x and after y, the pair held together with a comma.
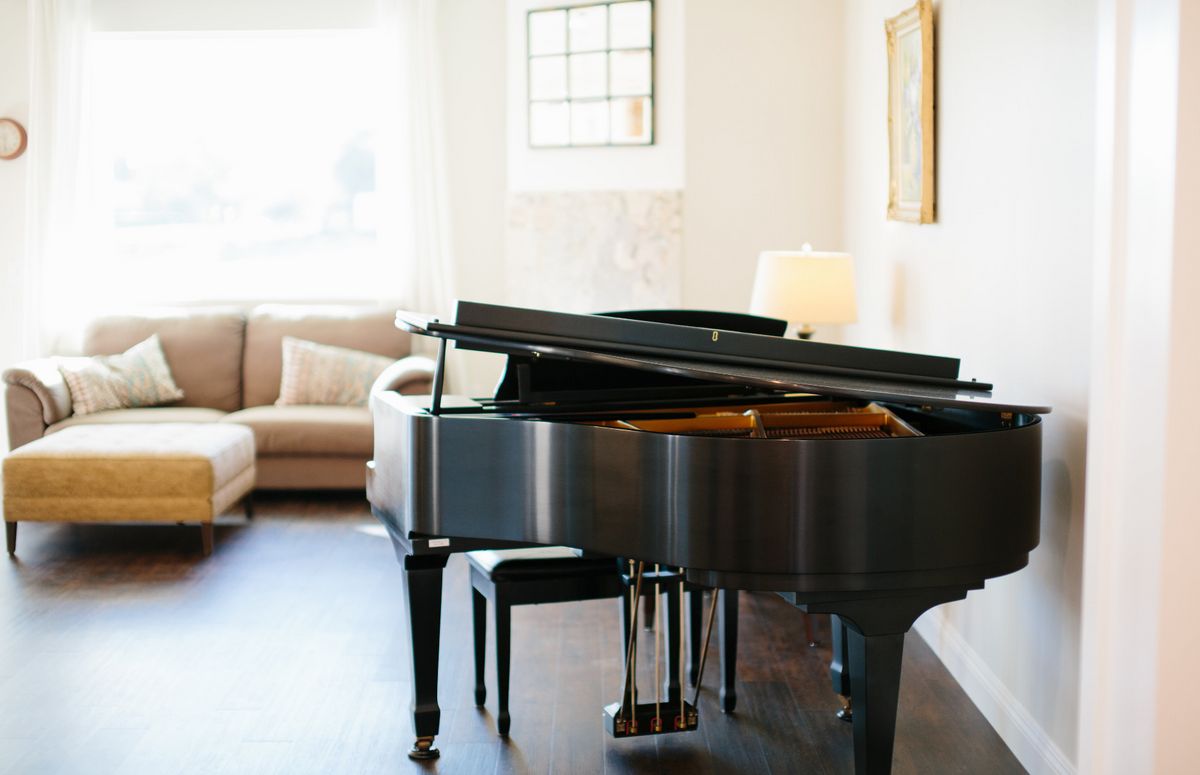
x: 323, y: 374
x: 139, y: 376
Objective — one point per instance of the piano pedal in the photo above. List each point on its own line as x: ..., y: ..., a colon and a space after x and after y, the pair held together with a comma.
x: 847, y: 712
x: 645, y: 722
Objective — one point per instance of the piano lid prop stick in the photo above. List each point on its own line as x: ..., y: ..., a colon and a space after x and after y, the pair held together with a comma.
x: 712, y: 614
x: 630, y: 682
x: 439, y: 379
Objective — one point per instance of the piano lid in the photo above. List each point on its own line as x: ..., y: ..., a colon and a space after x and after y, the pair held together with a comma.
x: 769, y: 363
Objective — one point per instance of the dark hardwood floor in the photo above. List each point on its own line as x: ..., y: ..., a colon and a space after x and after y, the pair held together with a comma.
x: 122, y: 650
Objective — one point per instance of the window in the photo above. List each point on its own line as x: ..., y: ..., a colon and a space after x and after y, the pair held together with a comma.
x: 590, y: 75
x: 238, y: 165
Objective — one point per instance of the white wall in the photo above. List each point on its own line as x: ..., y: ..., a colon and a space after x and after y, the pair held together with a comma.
x: 757, y: 85
x: 1177, y: 746
x: 473, y: 52
x: 657, y: 166
x: 1002, y: 280
x: 1140, y: 630
x: 763, y: 111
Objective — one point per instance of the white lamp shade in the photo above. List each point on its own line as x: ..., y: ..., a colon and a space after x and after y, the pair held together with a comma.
x: 805, y: 287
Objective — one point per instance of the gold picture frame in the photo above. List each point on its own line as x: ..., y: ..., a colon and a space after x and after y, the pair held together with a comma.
x: 910, y: 114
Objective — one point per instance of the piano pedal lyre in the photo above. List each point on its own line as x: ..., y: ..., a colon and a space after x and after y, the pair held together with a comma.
x: 643, y: 722
x: 630, y: 718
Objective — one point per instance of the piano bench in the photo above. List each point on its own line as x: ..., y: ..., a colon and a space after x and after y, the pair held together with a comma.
x: 544, y: 574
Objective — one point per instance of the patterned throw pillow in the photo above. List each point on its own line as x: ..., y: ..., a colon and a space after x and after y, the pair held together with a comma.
x: 322, y: 374
x: 137, y: 377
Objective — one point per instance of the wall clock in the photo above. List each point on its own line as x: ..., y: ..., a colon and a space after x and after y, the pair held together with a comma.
x: 12, y: 139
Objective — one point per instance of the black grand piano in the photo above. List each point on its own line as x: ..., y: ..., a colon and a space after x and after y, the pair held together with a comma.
x: 869, y: 484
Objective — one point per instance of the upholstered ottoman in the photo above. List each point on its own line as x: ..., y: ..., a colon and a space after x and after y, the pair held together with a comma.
x: 162, y: 472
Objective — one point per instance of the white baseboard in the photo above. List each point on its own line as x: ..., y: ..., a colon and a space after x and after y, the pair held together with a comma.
x: 1017, y: 728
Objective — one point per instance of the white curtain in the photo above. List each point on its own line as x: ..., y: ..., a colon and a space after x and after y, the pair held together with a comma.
x: 57, y: 190
x: 414, y: 228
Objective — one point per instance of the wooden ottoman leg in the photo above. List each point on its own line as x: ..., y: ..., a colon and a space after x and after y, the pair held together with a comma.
x: 248, y: 503
x: 10, y: 534
x: 206, y: 537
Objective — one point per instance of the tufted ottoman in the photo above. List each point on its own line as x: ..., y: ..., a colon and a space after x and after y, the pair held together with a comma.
x: 162, y: 472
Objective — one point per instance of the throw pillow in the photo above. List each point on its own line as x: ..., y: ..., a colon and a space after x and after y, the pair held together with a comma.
x: 323, y: 374
x: 139, y: 376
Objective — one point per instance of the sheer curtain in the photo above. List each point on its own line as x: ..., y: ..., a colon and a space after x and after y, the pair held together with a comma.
x: 412, y: 183
x: 58, y: 187
x: 414, y: 228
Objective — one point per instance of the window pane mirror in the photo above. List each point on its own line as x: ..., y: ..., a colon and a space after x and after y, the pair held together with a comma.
x: 591, y: 74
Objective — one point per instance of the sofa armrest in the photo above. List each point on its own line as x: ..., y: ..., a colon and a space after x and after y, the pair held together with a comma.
x: 413, y: 374
x: 41, y: 382
x: 23, y: 412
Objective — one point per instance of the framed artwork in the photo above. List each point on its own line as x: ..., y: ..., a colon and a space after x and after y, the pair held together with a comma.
x: 910, y: 114
x: 591, y: 74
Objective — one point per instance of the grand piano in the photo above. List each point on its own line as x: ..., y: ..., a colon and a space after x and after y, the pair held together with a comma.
x: 869, y: 484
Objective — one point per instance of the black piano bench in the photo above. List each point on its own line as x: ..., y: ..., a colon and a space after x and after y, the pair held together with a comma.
x: 544, y: 574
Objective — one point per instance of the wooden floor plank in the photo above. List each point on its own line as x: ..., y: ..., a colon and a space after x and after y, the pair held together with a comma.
x: 124, y: 651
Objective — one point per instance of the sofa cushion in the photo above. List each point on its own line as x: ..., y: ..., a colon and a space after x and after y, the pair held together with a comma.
x: 203, y: 347
x: 143, y: 415
x: 369, y: 329
x: 332, y: 376
x: 139, y: 376
x: 309, y: 430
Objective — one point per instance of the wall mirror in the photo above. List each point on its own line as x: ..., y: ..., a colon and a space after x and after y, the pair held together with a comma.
x: 591, y: 74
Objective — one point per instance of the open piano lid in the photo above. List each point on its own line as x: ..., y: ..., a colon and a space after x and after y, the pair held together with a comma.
x: 715, y: 355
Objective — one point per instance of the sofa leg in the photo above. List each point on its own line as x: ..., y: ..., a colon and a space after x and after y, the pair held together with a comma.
x: 10, y: 534
x: 248, y: 504
x: 206, y: 538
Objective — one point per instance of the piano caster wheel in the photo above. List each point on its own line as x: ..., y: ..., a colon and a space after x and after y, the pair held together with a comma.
x: 480, y: 697
x: 847, y: 712
x: 503, y: 722
x: 423, y: 750
x: 812, y: 644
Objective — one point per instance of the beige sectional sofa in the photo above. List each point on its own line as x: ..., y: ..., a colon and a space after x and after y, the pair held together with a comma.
x: 228, y: 363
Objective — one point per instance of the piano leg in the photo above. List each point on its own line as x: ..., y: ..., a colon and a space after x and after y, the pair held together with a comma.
x: 839, y: 666
x: 873, y: 638
x: 479, y: 614
x: 875, y: 674
x: 727, y: 626
x: 423, y: 590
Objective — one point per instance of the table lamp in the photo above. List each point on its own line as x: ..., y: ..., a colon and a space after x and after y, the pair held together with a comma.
x: 804, y: 286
